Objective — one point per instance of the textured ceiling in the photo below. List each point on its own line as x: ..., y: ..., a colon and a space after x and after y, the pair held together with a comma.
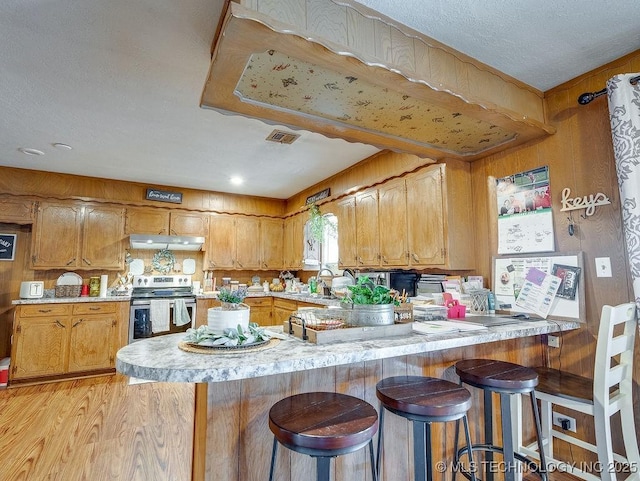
x: 120, y: 81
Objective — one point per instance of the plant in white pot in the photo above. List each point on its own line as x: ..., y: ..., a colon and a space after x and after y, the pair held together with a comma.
x: 232, y: 312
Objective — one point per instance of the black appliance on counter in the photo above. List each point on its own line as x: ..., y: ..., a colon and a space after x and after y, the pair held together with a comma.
x: 165, y: 288
x: 397, y: 279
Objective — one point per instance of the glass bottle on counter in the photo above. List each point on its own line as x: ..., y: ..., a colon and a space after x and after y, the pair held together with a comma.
x: 313, y: 285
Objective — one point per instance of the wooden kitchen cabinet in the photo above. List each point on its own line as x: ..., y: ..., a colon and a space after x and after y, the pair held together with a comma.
x: 16, y: 211
x: 61, y: 340
x: 345, y: 211
x: 247, y: 243
x: 189, y: 224
x: 282, y: 309
x: 294, y: 242
x: 367, y: 231
x: 221, y: 242
x: 392, y: 223
x: 271, y: 243
x: 78, y: 236
x: 439, y: 217
x: 261, y: 310
x: 141, y: 220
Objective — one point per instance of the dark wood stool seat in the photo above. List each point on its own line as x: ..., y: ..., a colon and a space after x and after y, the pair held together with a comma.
x: 422, y: 400
x: 507, y: 379
x: 323, y: 425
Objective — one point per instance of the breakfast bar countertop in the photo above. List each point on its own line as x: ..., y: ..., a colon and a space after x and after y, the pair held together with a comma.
x: 160, y: 358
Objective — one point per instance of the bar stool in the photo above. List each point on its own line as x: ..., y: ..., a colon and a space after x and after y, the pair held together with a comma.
x: 422, y: 400
x: 323, y: 425
x: 506, y: 379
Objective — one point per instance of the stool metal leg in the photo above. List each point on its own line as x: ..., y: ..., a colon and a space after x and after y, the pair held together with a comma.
x: 374, y: 470
x: 380, y: 431
x: 488, y: 431
x: 536, y: 417
x: 273, y: 458
x: 467, y: 436
x: 323, y: 468
x: 420, y: 451
x: 507, y: 438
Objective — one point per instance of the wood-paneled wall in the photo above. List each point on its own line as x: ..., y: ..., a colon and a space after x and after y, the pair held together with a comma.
x: 579, y: 156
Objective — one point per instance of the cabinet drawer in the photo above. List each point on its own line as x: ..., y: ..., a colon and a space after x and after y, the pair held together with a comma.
x: 258, y: 301
x: 310, y: 304
x: 94, y: 308
x: 45, y: 310
x: 284, y: 304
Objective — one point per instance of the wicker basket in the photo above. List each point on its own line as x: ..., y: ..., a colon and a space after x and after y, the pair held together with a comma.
x: 403, y: 313
x: 68, y: 291
x: 321, y: 319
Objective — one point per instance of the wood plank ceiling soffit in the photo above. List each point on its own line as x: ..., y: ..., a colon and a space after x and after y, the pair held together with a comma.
x: 276, y: 72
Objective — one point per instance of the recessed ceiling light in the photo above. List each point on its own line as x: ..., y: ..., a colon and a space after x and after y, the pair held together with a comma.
x: 27, y: 151
x: 236, y: 180
x: 60, y: 145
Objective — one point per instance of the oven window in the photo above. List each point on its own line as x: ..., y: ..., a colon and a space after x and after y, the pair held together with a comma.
x: 141, y: 323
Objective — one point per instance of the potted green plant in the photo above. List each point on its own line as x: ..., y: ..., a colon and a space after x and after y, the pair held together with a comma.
x: 232, y: 311
x: 319, y: 224
x: 371, y: 305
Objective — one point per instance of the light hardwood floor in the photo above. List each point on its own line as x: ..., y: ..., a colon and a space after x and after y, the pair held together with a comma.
x: 97, y: 429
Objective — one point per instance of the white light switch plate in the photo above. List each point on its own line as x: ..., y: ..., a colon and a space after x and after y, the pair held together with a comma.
x: 603, y: 266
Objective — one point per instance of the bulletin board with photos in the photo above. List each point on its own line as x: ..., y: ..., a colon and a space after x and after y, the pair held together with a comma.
x: 549, y: 286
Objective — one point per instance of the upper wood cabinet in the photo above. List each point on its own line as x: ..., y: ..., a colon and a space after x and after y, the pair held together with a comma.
x: 367, y: 231
x: 189, y: 223
x: 392, y: 222
x: 293, y: 242
x: 148, y: 220
x: 345, y: 211
x: 78, y: 236
x: 244, y: 242
x: 141, y: 220
x: 15, y: 211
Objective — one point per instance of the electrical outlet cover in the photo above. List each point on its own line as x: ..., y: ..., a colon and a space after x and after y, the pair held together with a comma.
x: 603, y: 266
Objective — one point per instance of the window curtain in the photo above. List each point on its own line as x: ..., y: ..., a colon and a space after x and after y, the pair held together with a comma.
x: 624, y: 113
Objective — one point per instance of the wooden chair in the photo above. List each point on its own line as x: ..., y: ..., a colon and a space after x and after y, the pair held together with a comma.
x: 609, y: 392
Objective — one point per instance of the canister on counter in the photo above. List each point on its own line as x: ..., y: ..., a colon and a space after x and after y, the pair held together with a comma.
x: 94, y: 287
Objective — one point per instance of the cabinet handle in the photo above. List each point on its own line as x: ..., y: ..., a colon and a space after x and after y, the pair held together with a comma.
x: 71, y: 261
x: 59, y: 324
x: 415, y: 257
x: 241, y: 266
x: 212, y: 264
x: 94, y: 308
x: 86, y: 261
x: 384, y: 259
x: 44, y: 311
x: 75, y: 324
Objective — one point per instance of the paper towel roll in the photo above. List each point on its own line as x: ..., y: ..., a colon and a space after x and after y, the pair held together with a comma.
x: 104, y: 280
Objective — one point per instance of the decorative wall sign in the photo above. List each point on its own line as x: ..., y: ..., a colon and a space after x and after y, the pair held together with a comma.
x: 323, y: 194
x: 7, y: 247
x: 164, y: 196
x: 589, y: 202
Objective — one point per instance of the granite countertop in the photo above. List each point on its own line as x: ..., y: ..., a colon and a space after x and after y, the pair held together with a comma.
x: 284, y: 295
x: 64, y: 300
x: 160, y: 358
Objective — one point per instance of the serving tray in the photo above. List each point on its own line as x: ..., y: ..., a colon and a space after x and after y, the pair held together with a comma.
x: 345, y: 334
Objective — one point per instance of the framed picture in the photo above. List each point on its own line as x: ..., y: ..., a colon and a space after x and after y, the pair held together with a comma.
x: 570, y: 276
x: 7, y: 247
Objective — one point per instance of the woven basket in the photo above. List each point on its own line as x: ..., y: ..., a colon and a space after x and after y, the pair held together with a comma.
x: 403, y: 313
x: 68, y: 291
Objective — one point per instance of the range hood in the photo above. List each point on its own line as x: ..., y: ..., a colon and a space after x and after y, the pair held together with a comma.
x: 374, y: 82
x: 171, y: 242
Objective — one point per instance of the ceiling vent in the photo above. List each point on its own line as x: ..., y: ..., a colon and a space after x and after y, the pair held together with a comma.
x: 282, y: 137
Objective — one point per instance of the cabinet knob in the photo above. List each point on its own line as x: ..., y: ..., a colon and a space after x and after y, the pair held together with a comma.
x: 240, y: 265
x: 71, y: 261
x: 59, y: 324
x: 86, y: 261
x: 75, y: 324
x: 415, y: 257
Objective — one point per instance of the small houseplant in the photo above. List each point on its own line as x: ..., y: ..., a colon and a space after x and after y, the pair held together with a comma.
x: 319, y: 224
x: 371, y: 305
x: 232, y: 312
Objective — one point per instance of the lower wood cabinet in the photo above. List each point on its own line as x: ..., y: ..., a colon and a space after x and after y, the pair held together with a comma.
x: 282, y: 309
x: 261, y: 308
x: 63, y: 340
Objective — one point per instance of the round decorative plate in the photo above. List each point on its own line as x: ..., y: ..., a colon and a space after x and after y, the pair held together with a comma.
x: 231, y: 348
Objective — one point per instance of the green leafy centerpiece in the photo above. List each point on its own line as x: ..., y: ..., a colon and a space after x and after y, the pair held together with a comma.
x: 230, y: 337
x: 232, y: 299
x: 371, y: 305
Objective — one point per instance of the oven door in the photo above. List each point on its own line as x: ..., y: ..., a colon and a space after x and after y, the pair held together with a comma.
x: 141, y: 323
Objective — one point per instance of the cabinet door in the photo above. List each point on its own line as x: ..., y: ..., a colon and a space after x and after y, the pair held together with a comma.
x: 103, y: 238
x: 282, y: 309
x: 221, y: 242
x: 39, y: 347
x: 56, y: 236
x: 392, y: 221
x: 147, y: 221
x: 92, y: 343
x: 367, y: 233
x: 347, y: 246
x: 272, y: 232
x: 297, y: 242
x: 425, y: 218
x: 247, y: 243
x: 261, y: 308
x: 16, y: 211
x: 189, y: 223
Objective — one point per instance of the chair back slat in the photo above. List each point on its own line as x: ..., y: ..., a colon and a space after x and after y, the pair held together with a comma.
x: 614, y: 353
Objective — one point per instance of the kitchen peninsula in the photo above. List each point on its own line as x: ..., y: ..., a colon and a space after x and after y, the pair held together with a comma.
x: 232, y: 440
